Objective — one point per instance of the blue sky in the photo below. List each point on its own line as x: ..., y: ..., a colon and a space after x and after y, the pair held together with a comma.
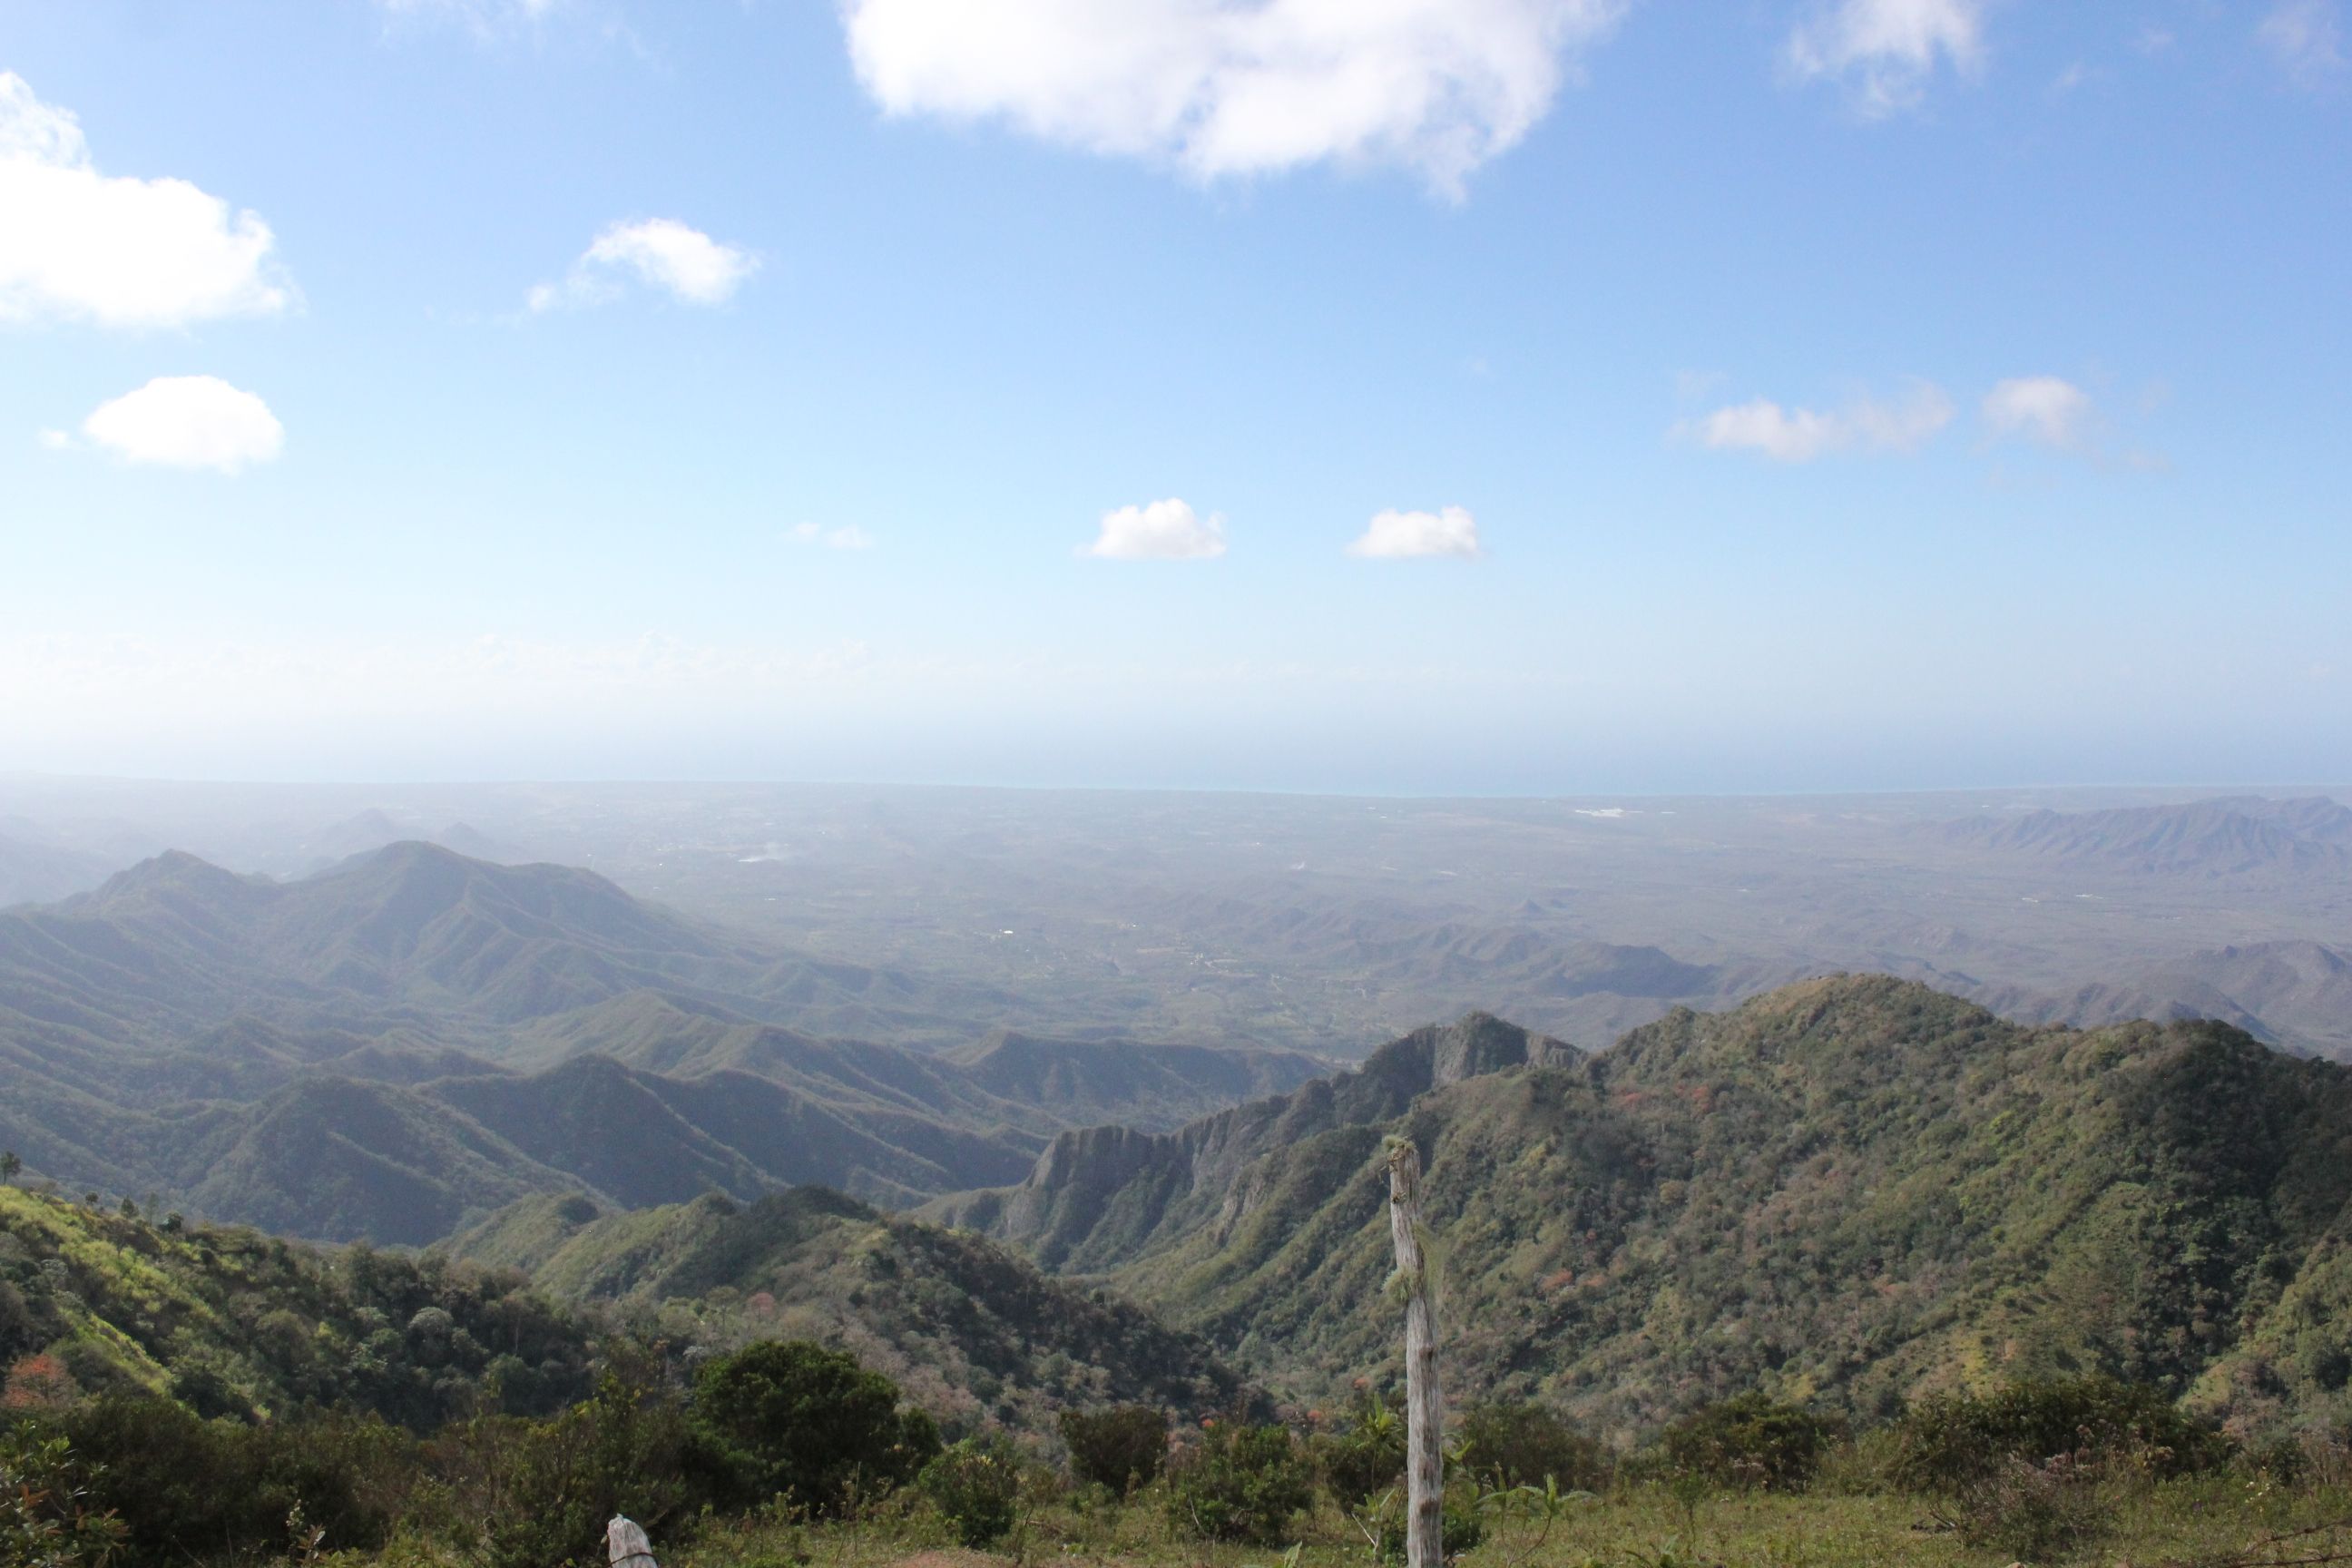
x: 1764, y: 394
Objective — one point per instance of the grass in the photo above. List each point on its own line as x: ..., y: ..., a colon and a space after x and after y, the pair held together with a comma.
x: 2206, y: 1522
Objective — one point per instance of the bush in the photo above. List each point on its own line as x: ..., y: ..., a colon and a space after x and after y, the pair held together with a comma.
x: 1122, y: 1447
x: 1459, y: 1528
x: 1954, y: 1440
x: 184, y: 1486
x: 2042, y: 1512
x: 1749, y: 1441
x: 1242, y: 1483
x: 1368, y: 1458
x: 545, y: 1490
x: 48, y: 1517
x: 1525, y: 1446
x: 797, y: 1420
x: 976, y: 1486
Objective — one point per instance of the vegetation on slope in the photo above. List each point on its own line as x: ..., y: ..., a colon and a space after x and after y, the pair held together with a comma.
x: 232, y: 1322
x: 1852, y: 1191
x: 972, y: 1332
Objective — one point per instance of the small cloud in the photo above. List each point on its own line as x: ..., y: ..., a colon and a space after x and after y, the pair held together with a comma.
x: 685, y: 263
x: 846, y: 538
x: 1801, y: 434
x: 1888, y: 49
x: 77, y: 244
x: 55, y: 441
x: 1162, y: 530
x: 187, y: 421
x: 1416, y: 535
x: 2307, y: 38
x: 2072, y: 77
x: 2153, y: 40
x: 2045, y: 409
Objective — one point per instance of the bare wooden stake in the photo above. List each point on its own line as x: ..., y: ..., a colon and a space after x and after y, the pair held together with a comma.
x: 1424, y: 1403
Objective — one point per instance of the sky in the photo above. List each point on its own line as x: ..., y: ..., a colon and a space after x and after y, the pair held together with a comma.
x: 1476, y: 396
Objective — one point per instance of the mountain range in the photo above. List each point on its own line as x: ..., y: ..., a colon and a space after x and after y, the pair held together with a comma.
x: 417, y: 1038
x: 1850, y: 1192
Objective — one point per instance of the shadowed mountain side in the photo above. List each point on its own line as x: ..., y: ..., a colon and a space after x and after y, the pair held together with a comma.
x: 1853, y: 1190
x: 969, y: 1329
x: 1105, y: 1195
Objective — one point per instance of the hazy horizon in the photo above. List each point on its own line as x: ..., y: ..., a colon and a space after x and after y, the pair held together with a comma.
x: 1550, y: 396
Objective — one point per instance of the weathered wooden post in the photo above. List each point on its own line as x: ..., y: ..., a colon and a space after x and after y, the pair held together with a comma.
x: 1424, y: 1403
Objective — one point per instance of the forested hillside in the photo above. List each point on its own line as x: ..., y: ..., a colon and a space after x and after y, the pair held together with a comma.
x: 973, y: 1332
x: 1853, y: 1191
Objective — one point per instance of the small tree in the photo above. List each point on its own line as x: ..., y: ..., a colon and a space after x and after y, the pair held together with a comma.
x: 11, y: 1167
x: 797, y: 1419
x: 1122, y: 1447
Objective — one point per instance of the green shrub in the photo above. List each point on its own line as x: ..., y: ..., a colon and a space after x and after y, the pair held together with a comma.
x: 542, y: 1490
x: 976, y: 1486
x: 1366, y: 1459
x: 184, y: 1487
x: 1952, y: 1440
x: 1525, y: 1446
x: 49, y: 1518
x: 1241, y: 1483
x: 1459, y: 1528
x: 797, y: 1420
x: 1748, y: 1441
x: 1122, y: 1447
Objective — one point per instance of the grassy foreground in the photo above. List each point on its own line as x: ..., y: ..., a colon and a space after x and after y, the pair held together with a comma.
x: 2198, y: 1523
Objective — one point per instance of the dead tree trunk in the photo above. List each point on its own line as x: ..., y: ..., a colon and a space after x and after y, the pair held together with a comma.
x: 1424, y: 1539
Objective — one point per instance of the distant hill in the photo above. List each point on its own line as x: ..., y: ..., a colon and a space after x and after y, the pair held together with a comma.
x: 969, y: 1329
x: 392, y: 1047
x: 2236, y: 836
x: 34, y: 873
x: 1851, y: 1191
x: 2284, y: 992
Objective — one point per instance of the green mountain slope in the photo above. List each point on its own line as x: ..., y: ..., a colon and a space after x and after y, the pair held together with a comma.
x: 234, y: 1322
x: 1853, y: 1190
x: 967, y: 1328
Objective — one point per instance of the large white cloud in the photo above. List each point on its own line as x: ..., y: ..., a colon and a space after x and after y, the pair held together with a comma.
x: 682, y: 262
x: 2043, y: 408
x: 1801, y: 434
x: 1163, y: 531
x: 77, y: 244
x: 187, y: 421
x: 1408, y: 535
x: 1888, y: 49
x: 1234, y: 86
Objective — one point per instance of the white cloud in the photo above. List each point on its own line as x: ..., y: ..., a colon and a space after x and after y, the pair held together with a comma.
x: 77, y: 244
x: 685, y: 263
x: 187, y: 421
x: 1163, y: 531
x: 2041, y: 408
x: 850, y: 537
x: 1236, y: 86
x: 1409, y: 535
x: 1801, y: 434
x: 2307, y: 38
x: 1888, y: 49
